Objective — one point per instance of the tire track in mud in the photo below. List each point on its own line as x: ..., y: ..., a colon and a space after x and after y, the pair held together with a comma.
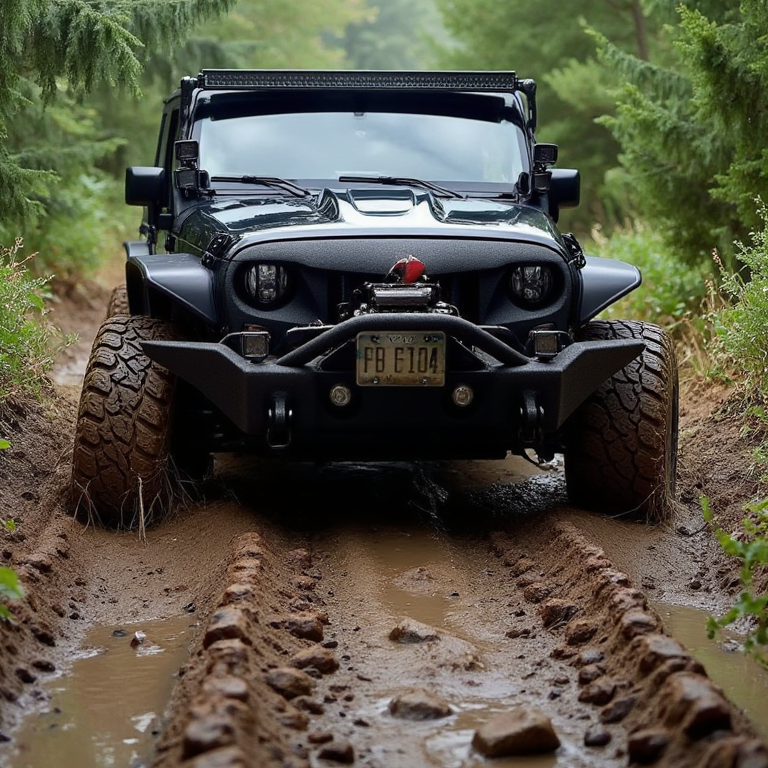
x: 300, y: 662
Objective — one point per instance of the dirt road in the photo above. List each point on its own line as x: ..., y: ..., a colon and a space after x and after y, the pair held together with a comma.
x: 386, y: 615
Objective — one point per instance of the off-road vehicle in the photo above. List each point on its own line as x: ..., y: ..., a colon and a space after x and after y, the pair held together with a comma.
x: 366, y: 266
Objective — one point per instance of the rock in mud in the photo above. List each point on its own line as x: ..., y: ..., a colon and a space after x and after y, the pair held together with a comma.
x: 338, y: 752
x: 319, y: 737
x: 307, y: 704
x: 647, y: 746
x: 654, y: 650
x: 693, y: 701
x: 419, y: 704
x: 617, y: 710
x: 636, y: 622
x: 307, y: 626
x: 411, y: 631
x: 521, y: 731
x: 289, y: 682
x: 597, y: 736
x: 206, y: 734
x: 590, y: 673
x: 322, y: 659
x: 556, y: 611
x: 580, y: 631
x: 536, y: 592
x: 521, y: 566
x: 600, y: 692
x: 226, y: 624
x: 228, y: 686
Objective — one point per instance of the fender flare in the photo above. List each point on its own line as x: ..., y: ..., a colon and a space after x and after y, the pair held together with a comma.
x: 605, y: 281
x: 179, y: 277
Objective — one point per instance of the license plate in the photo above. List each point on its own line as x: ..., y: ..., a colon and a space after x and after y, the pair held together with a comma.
x: 402, y: 359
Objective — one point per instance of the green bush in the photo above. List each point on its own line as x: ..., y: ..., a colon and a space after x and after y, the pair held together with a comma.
x: 671, y: 291
x: 741, y: 328
x: 26, y: 342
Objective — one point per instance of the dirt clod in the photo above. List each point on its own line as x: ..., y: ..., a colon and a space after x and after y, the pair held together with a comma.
x: 290, y: 682
x: 521, y: 731
x: 646, y: 746
x: 419, y: 704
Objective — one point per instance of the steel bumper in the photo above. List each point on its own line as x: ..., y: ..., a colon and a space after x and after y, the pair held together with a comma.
x: 517, y: 399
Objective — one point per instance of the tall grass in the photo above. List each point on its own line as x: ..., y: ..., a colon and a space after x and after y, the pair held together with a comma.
x: 26, y: 341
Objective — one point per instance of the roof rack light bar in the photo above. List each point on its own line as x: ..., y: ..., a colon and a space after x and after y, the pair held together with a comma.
x: 498, y: 82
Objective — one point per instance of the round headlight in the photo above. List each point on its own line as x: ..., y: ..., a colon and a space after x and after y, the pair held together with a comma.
x: 267, y: 284
x: 531, y: 284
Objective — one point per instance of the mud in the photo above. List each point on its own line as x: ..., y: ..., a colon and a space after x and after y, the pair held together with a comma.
x: 304, y: 581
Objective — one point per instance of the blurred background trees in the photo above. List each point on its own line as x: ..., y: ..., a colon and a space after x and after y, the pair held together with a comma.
x: 660, y: 104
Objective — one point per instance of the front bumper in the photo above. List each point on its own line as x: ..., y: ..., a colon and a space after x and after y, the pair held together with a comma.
x: 285, y: 402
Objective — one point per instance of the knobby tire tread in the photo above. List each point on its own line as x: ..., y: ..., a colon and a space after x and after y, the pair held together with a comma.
x: 122, y: 435
x: 622, y: 445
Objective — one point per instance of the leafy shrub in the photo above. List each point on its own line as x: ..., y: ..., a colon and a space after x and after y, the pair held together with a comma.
x: 25, y: 341
x: 742, y: 330
x: 742, y: 326
x: 752, y: 549
x: 671, y: 291
x: 10, y: 588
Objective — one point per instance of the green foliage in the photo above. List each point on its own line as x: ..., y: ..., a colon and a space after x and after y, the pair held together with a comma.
x: 692, y: 128
x: 10, y: 589
x: 25, y: 342
x: 742, y: 326
x: 549, y: 42
x: 671, y: 291
x: 752, y: 549
x: 63, y: 49
x: 394, y: 36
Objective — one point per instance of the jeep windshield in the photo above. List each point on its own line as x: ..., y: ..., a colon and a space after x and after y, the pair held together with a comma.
x: 315, y: 137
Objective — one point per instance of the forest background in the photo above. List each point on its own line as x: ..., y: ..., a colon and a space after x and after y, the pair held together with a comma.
x: 661, y: 104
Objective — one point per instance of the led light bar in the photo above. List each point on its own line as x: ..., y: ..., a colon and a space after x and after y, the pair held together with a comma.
x: 496, y: 82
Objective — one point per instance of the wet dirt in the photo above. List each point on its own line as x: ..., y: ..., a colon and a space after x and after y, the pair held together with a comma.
x: 347, y: 554
x: 107, y: 709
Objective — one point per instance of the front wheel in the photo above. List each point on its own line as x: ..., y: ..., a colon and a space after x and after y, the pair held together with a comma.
x: 122, y: 436
x: 621, y: 443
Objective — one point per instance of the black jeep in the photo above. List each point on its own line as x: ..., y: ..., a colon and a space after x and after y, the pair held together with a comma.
x: 366, y: 266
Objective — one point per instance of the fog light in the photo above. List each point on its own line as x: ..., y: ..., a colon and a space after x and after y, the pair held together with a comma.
x: 547, y: 344
x: 255, y: 345
x: 341, y: 395
x: 463, y: 396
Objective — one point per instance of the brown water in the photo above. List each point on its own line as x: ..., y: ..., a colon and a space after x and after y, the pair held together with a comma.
x: 742, y: 679
x: 106, y: 710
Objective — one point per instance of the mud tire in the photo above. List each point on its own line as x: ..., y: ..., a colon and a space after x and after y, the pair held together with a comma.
x: 118, y: 302
x: 122, y: 435
x: 621, y: 455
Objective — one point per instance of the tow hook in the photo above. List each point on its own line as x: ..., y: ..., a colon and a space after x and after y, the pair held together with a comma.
x: 531, y: 418
x: 279, y: 418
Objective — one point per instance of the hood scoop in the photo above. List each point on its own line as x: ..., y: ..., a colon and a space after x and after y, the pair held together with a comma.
x: 382, y: 202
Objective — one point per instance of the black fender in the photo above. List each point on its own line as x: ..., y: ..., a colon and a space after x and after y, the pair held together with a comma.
x: 605, y: 281
x: 179, y: 277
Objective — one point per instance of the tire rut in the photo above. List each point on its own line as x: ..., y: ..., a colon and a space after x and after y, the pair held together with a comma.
x: 315, y: 639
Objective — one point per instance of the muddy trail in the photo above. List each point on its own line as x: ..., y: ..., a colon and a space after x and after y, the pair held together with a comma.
x: 398, y: 615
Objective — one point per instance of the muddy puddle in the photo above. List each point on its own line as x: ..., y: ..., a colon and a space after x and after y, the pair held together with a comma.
x: 742, y: 679
x: 105, y: 710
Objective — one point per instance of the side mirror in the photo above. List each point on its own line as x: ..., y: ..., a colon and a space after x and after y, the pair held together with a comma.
x: 565, y: 188
x: 144, y: 185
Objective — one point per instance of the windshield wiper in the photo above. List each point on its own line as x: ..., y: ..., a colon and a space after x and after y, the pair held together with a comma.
x: 403, y: 181
x: 267, y: 181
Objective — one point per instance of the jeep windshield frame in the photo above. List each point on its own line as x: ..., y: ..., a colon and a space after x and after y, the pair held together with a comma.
x: 471, y: 143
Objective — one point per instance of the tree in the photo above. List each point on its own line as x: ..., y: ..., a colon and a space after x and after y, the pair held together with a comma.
x: 64, y: 48
x: 394, y: 36
x: 693, y: 134
x: 536, y: 40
